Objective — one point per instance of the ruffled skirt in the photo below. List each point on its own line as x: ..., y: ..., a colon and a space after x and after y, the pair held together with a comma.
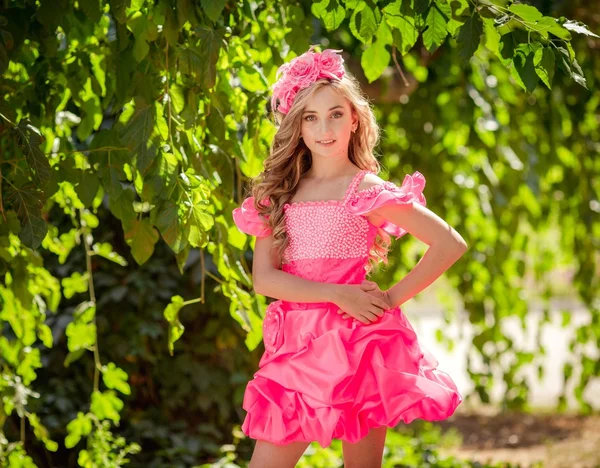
x: 322, y: 377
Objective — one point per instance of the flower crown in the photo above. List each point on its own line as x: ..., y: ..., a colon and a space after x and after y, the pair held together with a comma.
x: 303, y: 71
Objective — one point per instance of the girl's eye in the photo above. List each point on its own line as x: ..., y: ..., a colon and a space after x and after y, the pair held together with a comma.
x: 335, y: 113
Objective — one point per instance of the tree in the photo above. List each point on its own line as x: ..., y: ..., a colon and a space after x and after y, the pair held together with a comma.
x: 158, y: 109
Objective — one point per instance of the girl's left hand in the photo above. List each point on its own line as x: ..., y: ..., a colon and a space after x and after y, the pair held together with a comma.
x: 372, y: 288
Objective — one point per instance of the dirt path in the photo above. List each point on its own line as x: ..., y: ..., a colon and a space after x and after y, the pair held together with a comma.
x: 556, y: 440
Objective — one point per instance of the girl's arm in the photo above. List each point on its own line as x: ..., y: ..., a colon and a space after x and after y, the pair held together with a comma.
x: 270, y: 281
x: 446, y: 246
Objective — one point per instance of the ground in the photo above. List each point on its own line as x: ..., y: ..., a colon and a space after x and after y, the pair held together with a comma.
x: 558, y: 440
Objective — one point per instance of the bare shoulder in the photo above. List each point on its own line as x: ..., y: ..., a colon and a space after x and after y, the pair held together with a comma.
x: 368, y: 181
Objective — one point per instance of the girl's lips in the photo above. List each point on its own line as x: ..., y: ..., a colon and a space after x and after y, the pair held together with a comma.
x: 327, y: 144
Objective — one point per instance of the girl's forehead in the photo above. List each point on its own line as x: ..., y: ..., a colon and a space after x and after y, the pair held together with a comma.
x: 324, y: 99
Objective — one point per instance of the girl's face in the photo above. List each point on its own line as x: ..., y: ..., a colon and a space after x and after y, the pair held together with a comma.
x: 327, y: 116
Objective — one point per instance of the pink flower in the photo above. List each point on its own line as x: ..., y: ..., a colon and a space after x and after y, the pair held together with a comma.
x: 273, y: 327
x: 301, y: 72
x: 286, y: 98
x: 331, y: 64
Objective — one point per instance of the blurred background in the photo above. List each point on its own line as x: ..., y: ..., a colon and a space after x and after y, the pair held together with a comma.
x: 128, y: 131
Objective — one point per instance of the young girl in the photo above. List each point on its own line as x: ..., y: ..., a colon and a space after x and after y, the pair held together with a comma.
x: 341, y: 360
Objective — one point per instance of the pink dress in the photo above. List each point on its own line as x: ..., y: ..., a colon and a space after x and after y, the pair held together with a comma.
x: 322, y: 376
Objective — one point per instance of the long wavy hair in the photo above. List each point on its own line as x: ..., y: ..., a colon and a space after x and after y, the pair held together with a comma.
x: 289, y: 159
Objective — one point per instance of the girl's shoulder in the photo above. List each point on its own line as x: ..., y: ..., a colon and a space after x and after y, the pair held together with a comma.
x: 369, y: 180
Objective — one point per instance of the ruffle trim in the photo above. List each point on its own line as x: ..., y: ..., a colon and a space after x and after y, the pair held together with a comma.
x: 281, y: 415
x: 249, y: 221
x: 388, y: 193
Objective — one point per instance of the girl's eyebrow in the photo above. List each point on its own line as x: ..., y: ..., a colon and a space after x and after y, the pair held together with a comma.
x: 314, y: 112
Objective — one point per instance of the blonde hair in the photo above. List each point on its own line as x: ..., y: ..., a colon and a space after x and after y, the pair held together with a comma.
x: 289, y: 159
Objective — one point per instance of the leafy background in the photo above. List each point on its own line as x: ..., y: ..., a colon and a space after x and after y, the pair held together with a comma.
x: 127, y: 130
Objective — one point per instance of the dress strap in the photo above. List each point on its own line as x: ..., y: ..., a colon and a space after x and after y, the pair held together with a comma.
x: 356, y: 180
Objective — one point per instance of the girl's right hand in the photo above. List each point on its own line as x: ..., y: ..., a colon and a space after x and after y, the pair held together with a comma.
x: 352, y: 300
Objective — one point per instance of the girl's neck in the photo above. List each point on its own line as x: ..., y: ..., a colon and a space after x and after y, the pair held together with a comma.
x: 332, y: 173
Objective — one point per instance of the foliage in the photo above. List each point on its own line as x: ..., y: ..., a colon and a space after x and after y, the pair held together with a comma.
x: 154, y: 112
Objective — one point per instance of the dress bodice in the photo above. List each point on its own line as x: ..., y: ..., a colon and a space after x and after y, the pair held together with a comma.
x: 330, y: 240
x: 325, y: 229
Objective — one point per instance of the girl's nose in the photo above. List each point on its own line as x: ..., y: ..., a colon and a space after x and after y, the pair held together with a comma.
x: 325, y: 128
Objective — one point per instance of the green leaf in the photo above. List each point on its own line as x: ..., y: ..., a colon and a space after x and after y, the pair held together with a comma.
x: 142, y: 237
x: 104, y: 249
x: 460, y: 9
x: 578, y: 74
x: 87, y: 188
x: 76, y: 283
x: 252, y: 79
x: 331, y: 12
x: 543, y: 61
x: 524, y: 66
x: 182, y: 257
x: 549, y: 25
x: 29, y: 139
x: 172, y: 227
x: 41, y: 433
x: 85, y: 312
x: 364, y: 22
x: 436, y: 31
x: 73, y: 356
x: 570, y: 67
x: 563, y: 60
x: 213, y: 8
x: 137, y: 135
x: 80, y: 336
x: 492, y: 37
x: 405, y: 32
x: 115, y: 377
x: 144, y: 31
x: 106, y: 405
x: 469, y: 37
x: 506, y: 49
x: 200, y: 222
x: 171, y: 314
x: 28, y: 202
x: 177, y: 97
x: 77, y: 428
x: 526, y: 12
x: 45, y: 335
x: 375, y: 60
x: 211, y: 42
x: 216, y: 124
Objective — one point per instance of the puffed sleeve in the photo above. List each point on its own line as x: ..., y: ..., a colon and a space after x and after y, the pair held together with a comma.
x: 248, y: 220
x: 389, y: 193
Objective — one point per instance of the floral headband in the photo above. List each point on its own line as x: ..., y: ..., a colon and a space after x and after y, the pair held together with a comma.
x: 303, y: 71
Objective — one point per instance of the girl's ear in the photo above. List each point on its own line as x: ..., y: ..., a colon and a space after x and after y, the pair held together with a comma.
x: 354, y: 119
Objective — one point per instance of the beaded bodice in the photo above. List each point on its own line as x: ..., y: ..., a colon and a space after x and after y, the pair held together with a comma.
x: 325, y: 229
x: 330, y: 240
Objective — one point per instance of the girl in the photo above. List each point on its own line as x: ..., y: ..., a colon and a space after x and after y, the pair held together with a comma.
x: 341, y: 360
